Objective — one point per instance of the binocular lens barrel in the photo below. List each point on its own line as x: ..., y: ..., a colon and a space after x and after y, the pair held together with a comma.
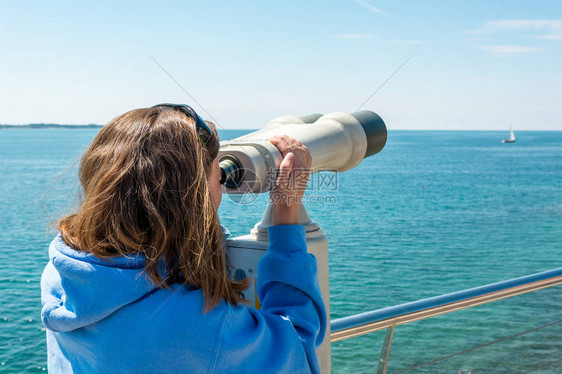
x: 337, y: 142
x: 375, y: 131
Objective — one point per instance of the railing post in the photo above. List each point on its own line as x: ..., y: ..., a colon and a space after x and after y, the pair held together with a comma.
x: 385, y: 351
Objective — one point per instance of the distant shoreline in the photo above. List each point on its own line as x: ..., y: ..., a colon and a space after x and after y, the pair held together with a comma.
x: 50, y: 126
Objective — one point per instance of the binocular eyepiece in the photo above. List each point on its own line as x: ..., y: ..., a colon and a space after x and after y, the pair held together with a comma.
x: 337, y: 142
x: 231, y: 172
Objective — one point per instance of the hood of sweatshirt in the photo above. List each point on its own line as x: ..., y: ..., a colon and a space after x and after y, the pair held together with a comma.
x: 80, y: 289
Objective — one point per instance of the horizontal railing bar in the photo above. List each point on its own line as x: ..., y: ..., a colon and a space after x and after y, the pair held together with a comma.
x: 363, y: 323
x: 447, y: 308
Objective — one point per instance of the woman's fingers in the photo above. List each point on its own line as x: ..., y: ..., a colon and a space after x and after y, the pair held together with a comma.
x: 286, y: 144
x: 293, y: 172
x: 282, y: 143
x: 285, y: 169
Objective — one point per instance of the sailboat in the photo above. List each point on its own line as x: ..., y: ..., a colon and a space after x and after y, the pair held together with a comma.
x: 511, y: 138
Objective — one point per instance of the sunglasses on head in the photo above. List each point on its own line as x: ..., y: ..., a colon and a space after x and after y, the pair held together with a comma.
x: 203, y: 130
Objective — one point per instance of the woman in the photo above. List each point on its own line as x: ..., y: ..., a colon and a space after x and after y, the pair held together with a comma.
x: 137, y: 278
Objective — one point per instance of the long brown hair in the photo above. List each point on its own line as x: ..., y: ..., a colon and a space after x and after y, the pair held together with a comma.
x: 144, y: 180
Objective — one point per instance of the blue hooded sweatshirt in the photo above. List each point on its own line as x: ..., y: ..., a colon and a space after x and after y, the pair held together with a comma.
x: 108, y: 317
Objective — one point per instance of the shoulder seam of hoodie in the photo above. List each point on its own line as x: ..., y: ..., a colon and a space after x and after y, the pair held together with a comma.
x: 218, y: 336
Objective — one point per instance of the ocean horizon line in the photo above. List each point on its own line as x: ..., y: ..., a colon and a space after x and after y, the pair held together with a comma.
x: 93, y: 126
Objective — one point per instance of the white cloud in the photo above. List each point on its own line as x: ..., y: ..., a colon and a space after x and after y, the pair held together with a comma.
x: 553, y: 36
x: 550, y: 29
x: 366, y: 36
x: 522, y: 24
x: 372, y: 8
x: 353, y: 36
x: 510, y: 49
x: 412, y: 42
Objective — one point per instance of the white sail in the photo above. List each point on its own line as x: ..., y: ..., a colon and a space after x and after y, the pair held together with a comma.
x: 511, y: 134
x: 511, y: 138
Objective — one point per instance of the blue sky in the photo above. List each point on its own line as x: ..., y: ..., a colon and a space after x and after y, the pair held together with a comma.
x: 476, y: 64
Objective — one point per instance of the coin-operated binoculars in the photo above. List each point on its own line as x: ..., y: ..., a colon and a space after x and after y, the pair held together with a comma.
x: 337, y: 142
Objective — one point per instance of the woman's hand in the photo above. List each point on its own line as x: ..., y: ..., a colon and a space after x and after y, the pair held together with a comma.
x: 286, y: 194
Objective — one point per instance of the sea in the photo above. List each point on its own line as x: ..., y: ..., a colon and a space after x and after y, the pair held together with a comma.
x: 434, y: 212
